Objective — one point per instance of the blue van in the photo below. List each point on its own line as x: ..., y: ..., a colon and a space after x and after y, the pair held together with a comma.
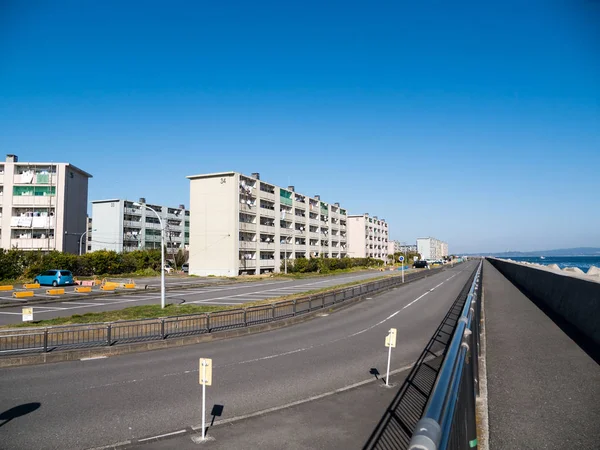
x: 55, y: 278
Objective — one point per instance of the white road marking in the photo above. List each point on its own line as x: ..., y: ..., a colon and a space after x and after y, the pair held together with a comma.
x: 83, y: 303
x: 91, y: 358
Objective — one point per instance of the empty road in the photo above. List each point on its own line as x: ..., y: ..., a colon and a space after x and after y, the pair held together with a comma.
x: 86, y: 404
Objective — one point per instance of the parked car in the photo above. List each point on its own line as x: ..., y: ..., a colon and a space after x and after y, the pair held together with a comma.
x: 185, y: 267
x: 421, y: 264
x: 55, y: 278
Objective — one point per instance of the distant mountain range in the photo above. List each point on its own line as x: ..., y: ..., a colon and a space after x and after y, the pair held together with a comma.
x: 578, y: 251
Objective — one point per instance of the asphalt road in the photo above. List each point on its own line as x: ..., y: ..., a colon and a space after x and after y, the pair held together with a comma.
x: 224, y: 294
x: 84, y: 404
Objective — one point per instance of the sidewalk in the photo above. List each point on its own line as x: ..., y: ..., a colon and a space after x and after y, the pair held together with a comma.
x: 342, y: 420
x: 543, y: 390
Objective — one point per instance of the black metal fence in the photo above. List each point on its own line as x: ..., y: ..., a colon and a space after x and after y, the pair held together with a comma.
x: 395, y: 429
x: 48, y: 339
x: 448, y: 421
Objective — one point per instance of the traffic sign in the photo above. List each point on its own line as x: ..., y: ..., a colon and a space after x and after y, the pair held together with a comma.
x: 390, y: 339
x: 27, y: 314
x: 206, y: 371
x: 401, y: 258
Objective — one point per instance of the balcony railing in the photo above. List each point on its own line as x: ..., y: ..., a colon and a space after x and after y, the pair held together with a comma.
x: 247, y: 226
x: 32, y: 244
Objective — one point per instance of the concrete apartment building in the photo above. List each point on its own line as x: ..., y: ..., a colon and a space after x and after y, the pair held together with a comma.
x: 432, y: 249
x: 394, y: 247
x: 241, y: 224
x: 121, y: 226
x: 43, y: 205
x: 367, y: 237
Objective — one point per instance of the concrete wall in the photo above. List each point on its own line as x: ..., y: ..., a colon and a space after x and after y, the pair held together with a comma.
x: 108, y: 222
x: 75, y: 195
x: 575, y: 300
x: 214, y: 226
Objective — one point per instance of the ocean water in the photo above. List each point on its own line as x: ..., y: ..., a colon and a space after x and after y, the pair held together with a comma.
x: 583, y: 262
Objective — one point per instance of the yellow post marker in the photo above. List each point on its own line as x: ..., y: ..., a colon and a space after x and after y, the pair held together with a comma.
x: 31, y: 286
x: 27, y: 314
x: 7, y: 288
x: 390, y: 342
x: 22, y: 294
x: 82, y: 289
x: 205, y: 380
x: 59, y: 291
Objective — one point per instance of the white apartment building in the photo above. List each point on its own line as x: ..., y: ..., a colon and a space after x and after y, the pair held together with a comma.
x: 120, y: 225
x: 367, y: 237
x: 43, y: 205
x: 241, y: 224
x: 393, y: 247
x: 431, y: 249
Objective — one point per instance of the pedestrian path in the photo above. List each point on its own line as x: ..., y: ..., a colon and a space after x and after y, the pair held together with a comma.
x: 543, y: 389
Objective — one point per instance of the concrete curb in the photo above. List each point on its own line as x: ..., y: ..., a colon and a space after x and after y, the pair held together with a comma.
x: 96, y: 352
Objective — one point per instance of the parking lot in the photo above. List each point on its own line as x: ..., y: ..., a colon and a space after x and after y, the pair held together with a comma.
x: 218, y: 294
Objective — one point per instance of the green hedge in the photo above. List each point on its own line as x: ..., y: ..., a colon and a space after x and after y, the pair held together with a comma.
x: 16, y: 264
x: 325, y: 265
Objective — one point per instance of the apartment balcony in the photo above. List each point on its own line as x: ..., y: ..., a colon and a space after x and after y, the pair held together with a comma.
x: 2, y: 178
x: 314, y: 248
x: 265, y: 212
x: 32, y: 222
x: 314, y: 235
x: 134, y: 223
x: 286, y: 231
x: 300, y: 219
x: 151, y: 238
x: 34, y: 200
x: 266, y: 195
x: 247, y: 226
x: 245, y: 207
x: 267, y: 246
x: 267, y: 263
x: 154, y: 226
x: 315, y: 222
x: 300, y: 245
x: 38, y: 178
x: 247, y: 263
x: 135, y: 211
x: 267, y: 229
x: 32, y: 244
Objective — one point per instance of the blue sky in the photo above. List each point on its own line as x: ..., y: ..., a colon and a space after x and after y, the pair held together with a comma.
x: 473, y: 122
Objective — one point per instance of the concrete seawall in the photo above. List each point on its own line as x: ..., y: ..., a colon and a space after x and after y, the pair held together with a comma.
x: 573, y: 299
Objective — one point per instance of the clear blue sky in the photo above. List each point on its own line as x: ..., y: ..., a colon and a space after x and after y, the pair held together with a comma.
x: 478, y: 124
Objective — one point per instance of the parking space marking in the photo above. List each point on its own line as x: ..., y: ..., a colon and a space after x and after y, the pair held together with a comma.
x: 83, y: 303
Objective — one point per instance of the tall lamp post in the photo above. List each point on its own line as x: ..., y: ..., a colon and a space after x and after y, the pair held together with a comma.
x: 81, y: 240
x: 162, y: 253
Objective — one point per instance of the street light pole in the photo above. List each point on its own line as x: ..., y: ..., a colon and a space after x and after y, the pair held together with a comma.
x: 162, y: 254
x: 81, y: 240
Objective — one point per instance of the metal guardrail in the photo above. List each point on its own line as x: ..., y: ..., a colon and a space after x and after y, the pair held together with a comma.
x: 448, y: 421
x: 64, y: 337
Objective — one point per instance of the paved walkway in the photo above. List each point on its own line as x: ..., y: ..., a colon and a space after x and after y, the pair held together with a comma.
x: 341, y: 420
x: 543, y: 390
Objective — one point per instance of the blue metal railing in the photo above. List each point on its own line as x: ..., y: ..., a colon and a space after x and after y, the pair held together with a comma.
x: 449, y: 418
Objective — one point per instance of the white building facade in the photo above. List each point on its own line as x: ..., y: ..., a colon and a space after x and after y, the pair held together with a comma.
x: 368, y: 237
x: 432, y: 249
x: 241, y: 224
x: 42, y: 205
x: 121, y: 226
